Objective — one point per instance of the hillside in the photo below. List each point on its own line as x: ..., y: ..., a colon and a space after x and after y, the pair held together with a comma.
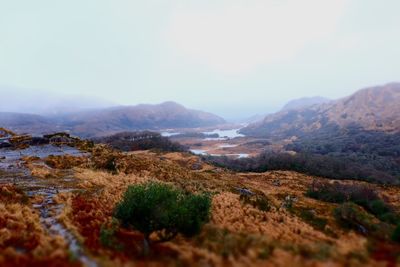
x: 371, y: 109
x: 361, y: 131
x: 111, y: 120
x: 305, y: 102
x: 57, y: 202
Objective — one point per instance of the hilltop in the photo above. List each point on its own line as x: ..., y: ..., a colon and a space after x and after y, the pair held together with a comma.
x: 305, y: 102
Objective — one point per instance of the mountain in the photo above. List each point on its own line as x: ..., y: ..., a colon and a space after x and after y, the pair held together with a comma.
x: 24, y: 123
x: 360, y: 133
x: 305, y: 102
x: 111, y: 120
x: 372, y: 109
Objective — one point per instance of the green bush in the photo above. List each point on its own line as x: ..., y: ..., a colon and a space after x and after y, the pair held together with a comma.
x: 162, y: 209
x: 107, y: 236
x: 351, y: 216
x: 259, y: 201
x: 312, y: 219
x: 396, y: 234
x: 362, y: 195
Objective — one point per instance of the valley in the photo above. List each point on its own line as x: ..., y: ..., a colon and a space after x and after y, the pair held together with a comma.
x: 298, y: 187
x: 175, y: 133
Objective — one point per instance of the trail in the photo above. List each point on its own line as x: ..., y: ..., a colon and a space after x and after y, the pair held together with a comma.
x: 13, y: 171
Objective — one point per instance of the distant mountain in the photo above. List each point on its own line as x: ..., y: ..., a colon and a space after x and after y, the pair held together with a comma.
x: 304, y: 102
x: 374, y: 109
x: 26, y: 123
x: 150, y: 117
x: 359, y: 134
x: 112, y: 120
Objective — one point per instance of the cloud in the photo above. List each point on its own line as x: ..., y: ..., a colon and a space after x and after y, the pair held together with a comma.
x: 238, y: 37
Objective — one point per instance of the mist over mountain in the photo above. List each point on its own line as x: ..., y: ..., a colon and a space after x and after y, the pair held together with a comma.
x: 374, y: 108
x: 110, y: 120
x: 305, y: 102
x: 143, y: 116
x: 41, y: 102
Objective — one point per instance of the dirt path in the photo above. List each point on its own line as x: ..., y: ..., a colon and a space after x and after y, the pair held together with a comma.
x: 13, y: 171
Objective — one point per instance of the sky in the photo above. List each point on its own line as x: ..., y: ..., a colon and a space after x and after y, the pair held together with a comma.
x: 233, y: 58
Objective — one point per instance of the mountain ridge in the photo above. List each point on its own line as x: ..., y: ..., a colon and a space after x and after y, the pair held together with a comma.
x: 113, y: 119
x: 304, y: 102
x: 372, y: 108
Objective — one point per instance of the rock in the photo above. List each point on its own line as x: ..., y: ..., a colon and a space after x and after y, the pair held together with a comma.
x: 5, y: 144
x: 39, y: 141
x: 276, y: 182
x: 197, y: 166
x: 61, y: 134
x: 245, y: 192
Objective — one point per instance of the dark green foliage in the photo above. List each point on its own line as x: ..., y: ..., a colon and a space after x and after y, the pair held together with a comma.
x: 313, y: 164
x: 131, y: 141
x: 396, y: 234
x: 311, y: 218
x: 262, y: 203
x: 383, y: 211
x: 362, y: 154
x: 110, y: 164
x: 107, y: 236
x: 362, y: 195
x: 351, y: 216
x: 195, y: 135
x: 370, y: 155
x: 156, y: 207
x: 339, y: 193
x: 259, y: 201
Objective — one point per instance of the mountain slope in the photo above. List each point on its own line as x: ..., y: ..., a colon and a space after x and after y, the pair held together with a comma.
x: 361, y: 131
x: 23, y: 122
x: 111, y: 120
x: 161, y: 116
x: 372, y: 109
x: 305, y: 102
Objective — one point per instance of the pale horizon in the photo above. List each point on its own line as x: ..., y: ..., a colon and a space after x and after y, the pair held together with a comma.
x: 232, y: 58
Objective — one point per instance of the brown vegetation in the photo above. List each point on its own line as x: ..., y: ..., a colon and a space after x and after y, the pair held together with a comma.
x: 276, y: 225
x: 23, y: 241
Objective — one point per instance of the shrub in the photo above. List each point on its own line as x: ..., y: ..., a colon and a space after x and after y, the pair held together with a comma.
x: 259, y: 201
x: 108, y: 236
x: 396, y: 234
x: 351, y: 216
x: 131, y: 141
x: 339, y: 193
x: 110, y: 165
x: 160, y: 208
x: 362, y: 195
x: 330, y: 166
x: 311, y: 218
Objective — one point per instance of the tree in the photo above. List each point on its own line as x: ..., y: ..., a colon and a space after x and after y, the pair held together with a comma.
x: 162, y: 209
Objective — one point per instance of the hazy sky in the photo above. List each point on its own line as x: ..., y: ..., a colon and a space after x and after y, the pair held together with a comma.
x: 234, y: 58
